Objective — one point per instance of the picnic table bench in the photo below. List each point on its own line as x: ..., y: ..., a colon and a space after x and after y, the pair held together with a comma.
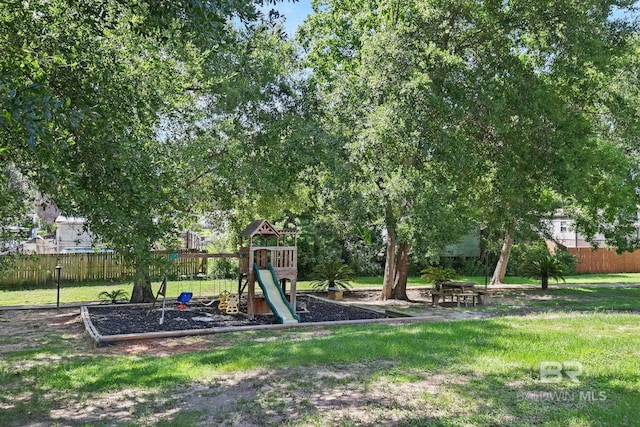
x: 458, y: 292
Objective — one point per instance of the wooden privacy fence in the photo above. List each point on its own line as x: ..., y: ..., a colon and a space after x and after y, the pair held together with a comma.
x: 83, y: 267
x: 603, y: 260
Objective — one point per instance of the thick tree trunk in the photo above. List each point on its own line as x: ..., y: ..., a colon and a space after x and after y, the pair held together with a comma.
x: 142, y: 291
x: 390, y: 265
x: 503, y: 261
x: 402, y: 272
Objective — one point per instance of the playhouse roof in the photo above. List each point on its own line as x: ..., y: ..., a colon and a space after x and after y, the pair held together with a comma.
x: 260, y: 226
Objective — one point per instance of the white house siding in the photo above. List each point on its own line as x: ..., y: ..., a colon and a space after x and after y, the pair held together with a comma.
x: 70, y: 234
x: 562, y: 230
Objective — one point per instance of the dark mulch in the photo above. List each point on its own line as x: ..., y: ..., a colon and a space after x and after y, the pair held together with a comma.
x: 133, y: 319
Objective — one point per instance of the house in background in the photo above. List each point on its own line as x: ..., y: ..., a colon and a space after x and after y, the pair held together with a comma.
x: 39, y: 245
x: 26, y: 240
x: 71, y: 236
x: 592, y: 261
x: 563, y: 231
x: 468, y: 246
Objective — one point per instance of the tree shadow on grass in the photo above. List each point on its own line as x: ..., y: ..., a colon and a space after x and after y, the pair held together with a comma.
x: 491, y: 400
x: 417, y: 374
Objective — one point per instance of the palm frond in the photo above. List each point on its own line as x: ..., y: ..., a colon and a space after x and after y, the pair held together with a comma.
x: 332, y: 274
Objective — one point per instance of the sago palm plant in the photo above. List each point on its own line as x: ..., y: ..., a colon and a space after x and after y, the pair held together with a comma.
x: 332, y: 275
x: 543, y: 266
x: 438, y: 275
x: 113, y: 296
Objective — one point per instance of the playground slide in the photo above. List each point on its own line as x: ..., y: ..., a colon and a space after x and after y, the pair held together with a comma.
x: 274, y: 296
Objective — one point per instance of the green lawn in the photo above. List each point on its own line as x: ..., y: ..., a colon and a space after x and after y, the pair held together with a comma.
x: 570, y: 298
x: 87, y: 292
x: 614, y: 278
x: 480, y: 373
x: 472, y: 372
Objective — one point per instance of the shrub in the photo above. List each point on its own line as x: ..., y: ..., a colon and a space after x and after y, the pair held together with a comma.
x: 524, y: 253
x: 113, y: 296
x: 470, y: 266
x: 543, y: 266
x: 439, y: 275
x: 222, y: 268
x: 536, y: 262
x: 332, y: 275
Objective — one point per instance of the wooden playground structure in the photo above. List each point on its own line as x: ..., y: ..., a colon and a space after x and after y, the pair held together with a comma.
x: 261, y: 244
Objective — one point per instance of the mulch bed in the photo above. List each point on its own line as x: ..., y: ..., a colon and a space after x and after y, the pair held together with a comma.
x: 132, y: 319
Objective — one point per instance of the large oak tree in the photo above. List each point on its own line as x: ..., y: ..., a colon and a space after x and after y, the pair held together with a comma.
x: 463, y: 111
x: 102, y: 108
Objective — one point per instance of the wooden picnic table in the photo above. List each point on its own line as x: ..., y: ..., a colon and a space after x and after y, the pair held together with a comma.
x: 458, y: 291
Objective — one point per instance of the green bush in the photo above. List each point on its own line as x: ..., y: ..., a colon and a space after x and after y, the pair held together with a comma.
x: 113, y: 296
x: 470, y: 266
x: 222, y: 268
x: 438, y: 275
x: 522, y: 255
x: 463, y: 265
x: 332, y: 275
x: 535, y: 261
x: 544, y: 266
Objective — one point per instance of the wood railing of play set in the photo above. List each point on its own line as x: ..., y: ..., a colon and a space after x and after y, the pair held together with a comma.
x: 283, y: 259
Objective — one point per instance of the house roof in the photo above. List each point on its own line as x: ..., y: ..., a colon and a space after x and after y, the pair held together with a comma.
x: 260, y: 226
x: 73, y: 220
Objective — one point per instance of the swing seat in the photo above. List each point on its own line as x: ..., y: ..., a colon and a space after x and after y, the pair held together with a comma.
x: 184, y: 298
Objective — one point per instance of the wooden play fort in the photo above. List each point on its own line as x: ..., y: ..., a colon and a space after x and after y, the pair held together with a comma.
x: 262, y: 247
x: 268, y: 257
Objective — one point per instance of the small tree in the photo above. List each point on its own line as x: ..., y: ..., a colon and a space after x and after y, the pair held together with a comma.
x: 543, y: 266
x: 332, y: 275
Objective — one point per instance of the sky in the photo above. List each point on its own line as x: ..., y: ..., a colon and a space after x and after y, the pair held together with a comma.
x: 295, y: 13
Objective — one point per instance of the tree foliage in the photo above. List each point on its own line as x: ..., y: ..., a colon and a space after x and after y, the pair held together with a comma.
x: 460, y: 112
x: 384, y: 86
x: 107, y: 108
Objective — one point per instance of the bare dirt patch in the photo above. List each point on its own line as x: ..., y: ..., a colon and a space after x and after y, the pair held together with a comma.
x: 24, y: 329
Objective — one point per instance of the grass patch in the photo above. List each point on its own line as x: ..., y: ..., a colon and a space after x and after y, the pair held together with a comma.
x: 593, y: 298
x: 48, y: 295
x: 88, y: 292
x: 571, y: 298
x: 578, y: 279
x: 453, y: 373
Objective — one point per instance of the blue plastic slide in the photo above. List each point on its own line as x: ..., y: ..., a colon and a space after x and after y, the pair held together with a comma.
x: 274, y: 296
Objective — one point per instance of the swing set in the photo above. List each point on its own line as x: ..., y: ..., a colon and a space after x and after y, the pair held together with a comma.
x: 266, y: 249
